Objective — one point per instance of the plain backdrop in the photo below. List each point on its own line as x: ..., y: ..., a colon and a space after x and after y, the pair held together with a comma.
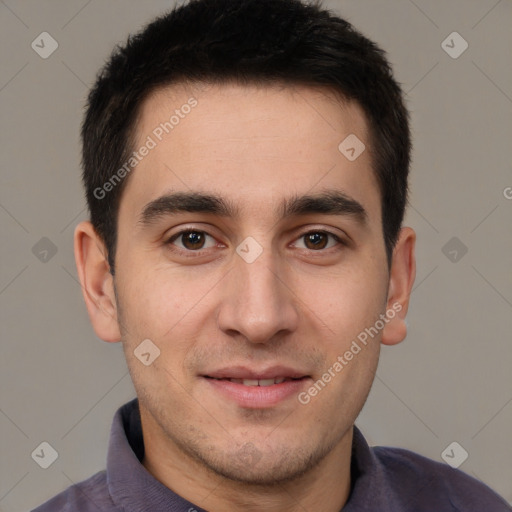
x: 449, y: 381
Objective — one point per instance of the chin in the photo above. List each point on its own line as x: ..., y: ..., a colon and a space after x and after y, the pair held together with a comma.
x: 251, y: 466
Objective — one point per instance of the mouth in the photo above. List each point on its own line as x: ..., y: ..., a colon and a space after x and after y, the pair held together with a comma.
x: 255, y: 389
x: 259, y: 382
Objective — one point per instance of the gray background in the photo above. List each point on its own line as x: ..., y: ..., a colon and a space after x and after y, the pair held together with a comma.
x: 449, y: 381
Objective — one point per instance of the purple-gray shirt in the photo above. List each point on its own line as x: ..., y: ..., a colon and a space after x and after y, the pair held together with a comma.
x: 383, y: 480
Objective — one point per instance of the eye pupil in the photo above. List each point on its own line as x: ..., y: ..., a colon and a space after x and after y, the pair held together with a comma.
x: 193, y: 240
x: 318, y: 240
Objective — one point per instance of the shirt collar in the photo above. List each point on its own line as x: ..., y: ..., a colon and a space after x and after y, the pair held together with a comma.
x: 131, y: 486
x: 370, y: 488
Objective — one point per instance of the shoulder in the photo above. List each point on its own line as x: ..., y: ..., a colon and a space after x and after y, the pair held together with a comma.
x: 90, y: 495
x: 421, y: 481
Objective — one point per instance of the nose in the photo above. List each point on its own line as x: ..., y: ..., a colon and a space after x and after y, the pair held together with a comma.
x: 258, y: 302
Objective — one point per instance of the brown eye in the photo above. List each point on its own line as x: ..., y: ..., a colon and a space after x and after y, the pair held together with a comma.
x: 318, y: 240
x: 191, y: 240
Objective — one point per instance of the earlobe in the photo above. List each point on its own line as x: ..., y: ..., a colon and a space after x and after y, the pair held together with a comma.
x: 96, y: 281
x: 401, y: 280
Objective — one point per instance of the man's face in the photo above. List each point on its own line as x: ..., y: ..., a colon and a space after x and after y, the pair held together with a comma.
x: 253, y: 295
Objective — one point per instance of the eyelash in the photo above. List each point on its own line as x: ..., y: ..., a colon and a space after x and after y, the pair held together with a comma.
x: 191, y: 253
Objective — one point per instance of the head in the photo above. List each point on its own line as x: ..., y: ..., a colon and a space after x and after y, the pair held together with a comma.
x: 232, y: 227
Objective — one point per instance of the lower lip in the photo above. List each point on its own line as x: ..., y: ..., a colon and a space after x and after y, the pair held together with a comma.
x: 258, y: 397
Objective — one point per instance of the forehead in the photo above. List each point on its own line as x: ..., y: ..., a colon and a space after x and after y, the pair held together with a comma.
x: 253, y: 144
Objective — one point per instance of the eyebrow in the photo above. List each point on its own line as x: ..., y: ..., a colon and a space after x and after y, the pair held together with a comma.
x: 326, y: 203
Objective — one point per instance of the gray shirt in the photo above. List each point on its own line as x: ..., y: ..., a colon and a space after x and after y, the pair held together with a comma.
x: 383, y: 480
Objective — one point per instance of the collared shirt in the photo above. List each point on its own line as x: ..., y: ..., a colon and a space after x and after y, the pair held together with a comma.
x: 383, y: 480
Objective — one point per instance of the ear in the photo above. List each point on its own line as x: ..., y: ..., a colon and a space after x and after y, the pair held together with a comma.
x: 97, y: 282
x: 401, y: 279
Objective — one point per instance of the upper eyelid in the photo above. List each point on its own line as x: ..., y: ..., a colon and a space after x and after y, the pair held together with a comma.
x: 188, y: 230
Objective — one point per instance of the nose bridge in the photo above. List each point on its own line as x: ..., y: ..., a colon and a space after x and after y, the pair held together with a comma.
x: 257, y: 304
x: 261, y: 282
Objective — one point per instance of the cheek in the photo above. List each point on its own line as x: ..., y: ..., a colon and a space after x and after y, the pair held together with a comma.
x: 349, y: 305
x: 347, y: 301
x: 159, y: 308
x: 164, y: 303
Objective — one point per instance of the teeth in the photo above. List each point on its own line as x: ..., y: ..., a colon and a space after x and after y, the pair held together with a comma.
x: 250, y: 382
x: 259, y: 382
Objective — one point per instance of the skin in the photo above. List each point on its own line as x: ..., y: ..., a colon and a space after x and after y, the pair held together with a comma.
x: 294, y: 305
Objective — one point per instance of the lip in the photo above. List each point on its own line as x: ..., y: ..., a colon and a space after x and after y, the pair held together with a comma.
x: 256, y: 397
x: 242, y: 372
